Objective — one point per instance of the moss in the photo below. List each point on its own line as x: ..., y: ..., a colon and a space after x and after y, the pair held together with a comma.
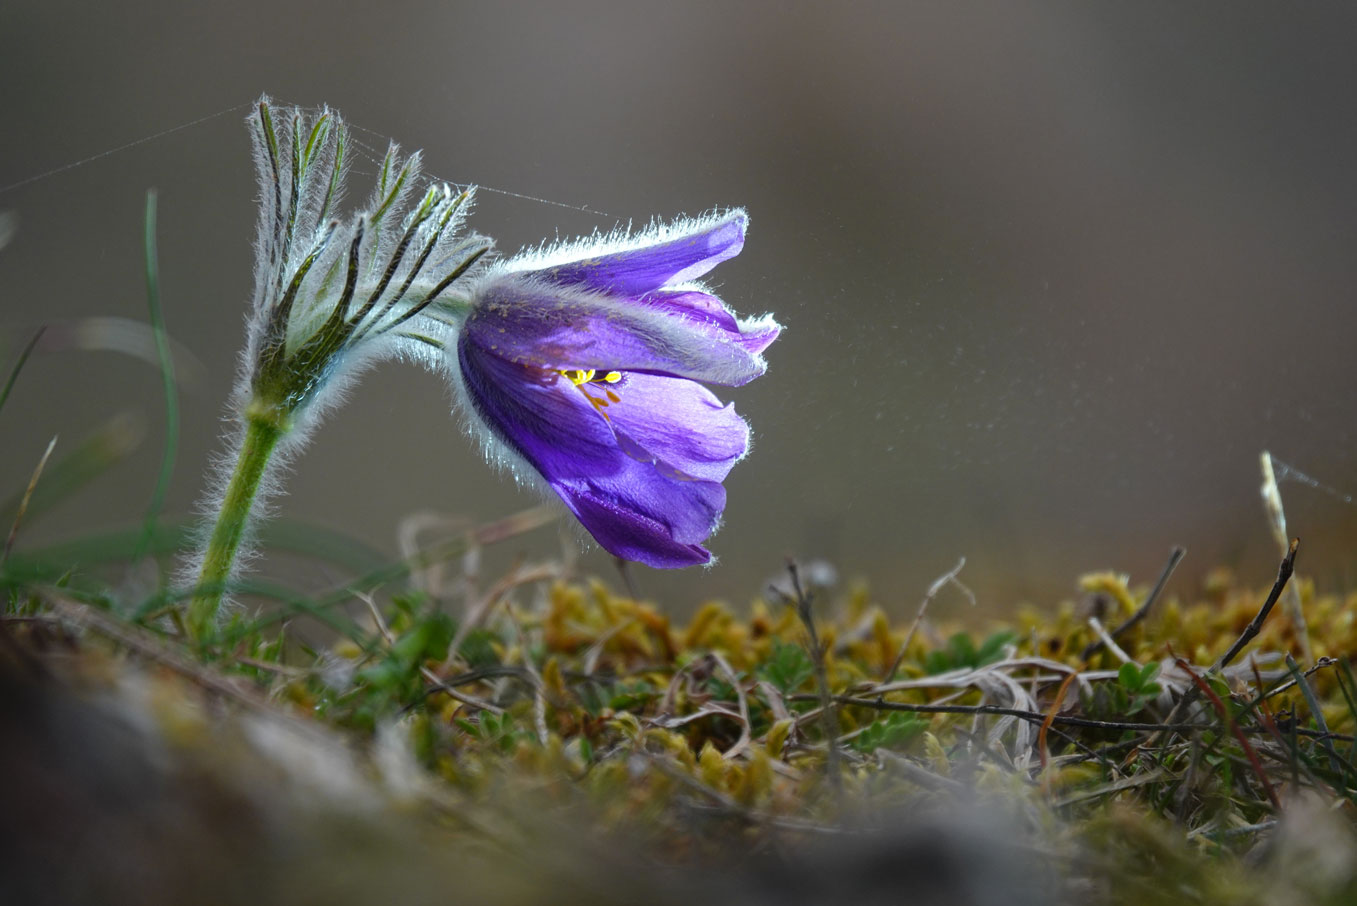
x: 660, y: 730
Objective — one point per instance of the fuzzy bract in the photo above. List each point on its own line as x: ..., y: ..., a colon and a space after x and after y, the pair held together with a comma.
x: 586, y: 363
x: 333, y: 291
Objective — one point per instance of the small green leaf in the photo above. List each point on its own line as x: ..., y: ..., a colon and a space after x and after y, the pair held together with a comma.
x: 787, y: 668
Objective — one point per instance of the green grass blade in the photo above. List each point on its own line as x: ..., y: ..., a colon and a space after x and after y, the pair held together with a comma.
x: 172, y: 536
x: 19, y: 365
x: 162, y: 345
x: 94, y: 455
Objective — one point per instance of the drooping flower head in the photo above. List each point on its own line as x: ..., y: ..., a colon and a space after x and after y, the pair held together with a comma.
x: 585, y: 365
x: 334, y: 291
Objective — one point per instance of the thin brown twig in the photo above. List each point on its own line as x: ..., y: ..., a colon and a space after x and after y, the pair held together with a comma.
x: 1105, y: 640
x: 1037, y: 716
x: 437, y: 685
x: 1256, y: 625
x: 829, y: 716
x: 1284, y: 571
x: 1318, y: 666
x: 948, y: 577
x: 1175, y: 557
x: 477, y: 613
x: 743, y: 703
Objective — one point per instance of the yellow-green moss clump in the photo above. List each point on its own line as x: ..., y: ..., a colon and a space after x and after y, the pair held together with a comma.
x: 569, y: 706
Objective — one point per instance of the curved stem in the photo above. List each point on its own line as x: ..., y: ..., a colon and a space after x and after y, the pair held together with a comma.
x: 261, y: 438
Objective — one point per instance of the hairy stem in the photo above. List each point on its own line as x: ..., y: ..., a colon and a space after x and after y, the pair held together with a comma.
x: 262, y: 434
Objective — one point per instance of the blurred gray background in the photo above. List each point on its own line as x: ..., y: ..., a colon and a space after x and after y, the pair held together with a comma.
x: 1052, y: 274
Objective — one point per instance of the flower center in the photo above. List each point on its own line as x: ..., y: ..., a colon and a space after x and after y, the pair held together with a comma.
x: 586, y: 378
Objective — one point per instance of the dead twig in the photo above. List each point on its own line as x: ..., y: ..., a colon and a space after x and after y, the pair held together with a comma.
x: 1105, y: 640
x: 743, y: 702
x: 949, y: 577
x: 477, y: 613
x: 1318, y: 666
x: 1038, y: 717
x: 1175, y: 557
x: 829, y: 717
x: 1284, y: 571
x: 1256, y: 625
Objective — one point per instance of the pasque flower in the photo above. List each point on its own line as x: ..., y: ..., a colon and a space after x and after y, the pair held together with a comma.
x: 584, y: 365
x: 333, y: 293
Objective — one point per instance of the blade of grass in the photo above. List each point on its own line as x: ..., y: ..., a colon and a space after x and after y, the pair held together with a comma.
x: 1317, y: 713
x: 171, y: 537
x: 1348, y: 683
x: 289, y: 605
x: 509, y: 527
x: 23, y: 503
x: 93, y: 456
x: 1231, y: 727
x: 162, y: 346
x: 19, y: 365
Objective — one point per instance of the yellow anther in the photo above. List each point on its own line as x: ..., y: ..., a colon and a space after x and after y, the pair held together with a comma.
x: 578, y: 376
x: 599, y: 404
x: 581, y: 378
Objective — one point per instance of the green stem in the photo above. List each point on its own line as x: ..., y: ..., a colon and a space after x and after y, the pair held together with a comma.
x: 262, y: 434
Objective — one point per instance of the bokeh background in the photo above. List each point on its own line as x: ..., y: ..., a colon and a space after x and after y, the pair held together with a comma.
x: 1052, y: 274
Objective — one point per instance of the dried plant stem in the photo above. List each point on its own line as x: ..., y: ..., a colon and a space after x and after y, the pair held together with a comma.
x: 23, y: 502
x: 829, y: 716
x: 1038, y: 717
x: 1256, y: 625
x: 1272, y: 504
x: 1284, y: 571
x: 1175, y: 557
x: 261, y: 439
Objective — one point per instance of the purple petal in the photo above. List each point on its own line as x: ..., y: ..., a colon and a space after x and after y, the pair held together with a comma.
x: 629, y: 505
x: 678, y: 425
x: 532, y: 322
x: 754, y: 335
x: 694, y: 305
x: 642, y: 269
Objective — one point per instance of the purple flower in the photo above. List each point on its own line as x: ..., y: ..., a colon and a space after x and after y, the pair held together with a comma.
x: 585, y: 363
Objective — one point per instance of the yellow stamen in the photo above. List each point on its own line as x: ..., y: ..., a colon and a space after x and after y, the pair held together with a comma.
x: 582, y: 377
x: 579, y: 376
